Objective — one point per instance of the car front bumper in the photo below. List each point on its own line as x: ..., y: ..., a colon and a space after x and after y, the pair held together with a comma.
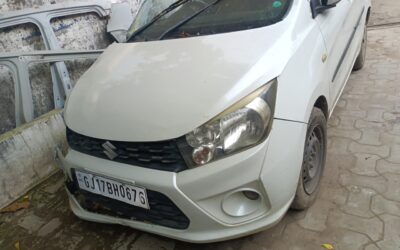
x: 211, y: 196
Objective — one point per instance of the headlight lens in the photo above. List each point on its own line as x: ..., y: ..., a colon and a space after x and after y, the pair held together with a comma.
x: 245, y: 124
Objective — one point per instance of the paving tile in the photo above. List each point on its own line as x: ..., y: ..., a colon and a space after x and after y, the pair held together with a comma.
x: 51, y: 189
x: 316, y: 216
x: 299, y: 238
x: 66, y: 241
x: 50, y: 227
x: 378, y: 183
x: 394, y: 122
x: 388, y: 245
x: 375, y: 115
x: 392, y: 236
x: 338, y: 237
x: 333, y: 121
x: 340, y: 105
x: 370, y: 136
x: 389, y: 77
x: 394, y: 154
x: 384, y: 166
x: 124, y: 240
x: 335, y: 165
x: 149, y: 242
x: 382, y: 151
x: 353, y: 104
x: 380, y: 205
x: 347, y: 122
x: 372, y: 227
x: 339, y: 146
x: 333, y: 193
x: 346, y: 133
x: 395, y: 130
x: 268, y: 239
x: 358, y: 202
x: 389, y: 139
x: 391, y: 115
x: 382, y: 103
x: 31, y: 222
x: 393, y: 184
x: 262, y: 245
x: 276, y: 232
x: 372, y: 247
x: 352, y: 113
x: 378, y: 126
x: 348, y: 240
x: 357, y: 89
x: 366, y: 165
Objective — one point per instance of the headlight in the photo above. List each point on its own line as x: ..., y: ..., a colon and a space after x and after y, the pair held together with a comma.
x: 245, y: 124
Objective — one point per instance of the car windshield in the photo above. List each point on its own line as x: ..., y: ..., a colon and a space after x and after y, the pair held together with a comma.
x: 203, y: 17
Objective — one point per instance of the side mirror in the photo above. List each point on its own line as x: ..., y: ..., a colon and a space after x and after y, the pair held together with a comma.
x: 319, y: 6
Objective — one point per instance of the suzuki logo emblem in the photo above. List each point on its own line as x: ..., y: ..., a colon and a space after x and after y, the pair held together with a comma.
x: 109, y: 150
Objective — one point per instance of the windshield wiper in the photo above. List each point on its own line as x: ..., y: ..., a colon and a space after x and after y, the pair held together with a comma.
x: 187, y: 19
x: 158, y: 16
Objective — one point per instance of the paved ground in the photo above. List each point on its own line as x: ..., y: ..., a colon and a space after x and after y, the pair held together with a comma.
x: 358, y: 206
x: 384, y: 12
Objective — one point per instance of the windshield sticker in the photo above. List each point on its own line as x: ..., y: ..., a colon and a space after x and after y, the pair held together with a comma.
x: 277, y: 4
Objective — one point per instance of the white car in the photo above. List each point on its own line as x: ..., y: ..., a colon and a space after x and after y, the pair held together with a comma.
x: 211, y: 121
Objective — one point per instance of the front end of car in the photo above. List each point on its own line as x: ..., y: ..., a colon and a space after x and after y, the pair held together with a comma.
x: 215, y: 183
x: 182, y: 140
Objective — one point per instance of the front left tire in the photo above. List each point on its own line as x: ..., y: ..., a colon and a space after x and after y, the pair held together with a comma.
x: 314, y: 157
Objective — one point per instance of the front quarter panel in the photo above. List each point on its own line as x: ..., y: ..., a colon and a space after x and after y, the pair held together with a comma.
x: 302, y: 80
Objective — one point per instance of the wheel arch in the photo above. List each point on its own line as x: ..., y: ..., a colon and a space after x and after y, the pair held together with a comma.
x: 368, y: 14
x: 322, y: 103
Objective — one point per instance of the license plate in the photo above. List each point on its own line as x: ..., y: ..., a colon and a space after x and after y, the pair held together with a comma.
x: 116, y: 190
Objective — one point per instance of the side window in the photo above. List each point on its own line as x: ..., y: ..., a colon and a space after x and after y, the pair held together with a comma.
x: 21, y: 38
x: 7, y: 100
x: 41, y: 87
x: 91, y: 28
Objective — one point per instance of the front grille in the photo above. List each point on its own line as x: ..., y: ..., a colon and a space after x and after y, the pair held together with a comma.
x: 162, y: 212
x: 162, y: 155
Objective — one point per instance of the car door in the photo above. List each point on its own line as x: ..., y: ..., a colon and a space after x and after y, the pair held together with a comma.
x: 337, y: 26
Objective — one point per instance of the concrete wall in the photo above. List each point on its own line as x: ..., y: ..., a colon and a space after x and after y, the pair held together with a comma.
x: 27, y: 155
x: 27, y: 152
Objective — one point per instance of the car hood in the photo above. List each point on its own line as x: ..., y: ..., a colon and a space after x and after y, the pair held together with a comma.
x: 164, y: 89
